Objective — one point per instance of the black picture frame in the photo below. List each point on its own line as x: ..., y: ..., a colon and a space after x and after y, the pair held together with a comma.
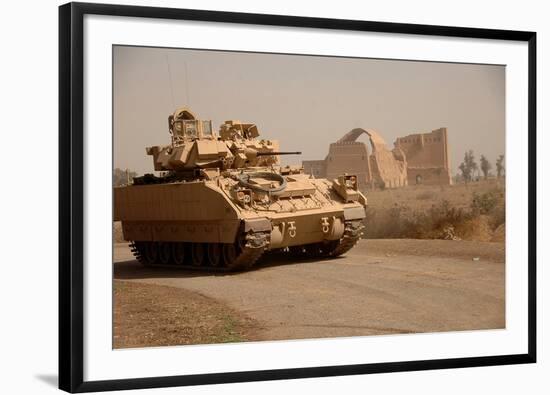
x: 71, y: 223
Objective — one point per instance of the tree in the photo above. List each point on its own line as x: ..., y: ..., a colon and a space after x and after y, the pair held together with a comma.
x: 468, y: 166
x: 500, y: 166
x: 122, y: 177
x: 485, y: 166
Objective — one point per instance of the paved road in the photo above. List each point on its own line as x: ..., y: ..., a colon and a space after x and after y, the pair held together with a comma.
x: 379, y: 287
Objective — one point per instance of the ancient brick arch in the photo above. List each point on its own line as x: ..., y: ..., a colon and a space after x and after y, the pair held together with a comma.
x: 415, y: 159
x: 376, y: 141
x: 382, y: 168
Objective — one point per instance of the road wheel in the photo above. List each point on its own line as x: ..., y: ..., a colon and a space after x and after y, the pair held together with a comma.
x: 297, y: 251
x: 313, y: 250
x: 230, y: 254
x: 323, y: 249
x: 213, y: 254
x: 151, y: 252
x: 197, y: 254
x: 178, y: 253
x: 138, y: 249
x: 165, y: 253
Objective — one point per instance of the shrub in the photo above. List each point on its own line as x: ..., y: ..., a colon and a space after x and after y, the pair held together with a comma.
x: 492, y: 204
x: 483, y: 203
x: 442, y: 220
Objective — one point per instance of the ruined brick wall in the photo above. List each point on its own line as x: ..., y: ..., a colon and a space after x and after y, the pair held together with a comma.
x: 348, y: 157
x: 388, y: 168
x: 315, y: 167
x: 427, y: 157
x: 387, y: 172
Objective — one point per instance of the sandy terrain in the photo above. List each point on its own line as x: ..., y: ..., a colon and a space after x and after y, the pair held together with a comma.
x: 379, y: 287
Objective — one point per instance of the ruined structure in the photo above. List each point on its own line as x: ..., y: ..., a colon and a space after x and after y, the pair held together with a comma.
x: 427, y: 157
x: 415, y: 159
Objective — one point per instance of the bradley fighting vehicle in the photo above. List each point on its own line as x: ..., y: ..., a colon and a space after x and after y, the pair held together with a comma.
x: 223, y: 199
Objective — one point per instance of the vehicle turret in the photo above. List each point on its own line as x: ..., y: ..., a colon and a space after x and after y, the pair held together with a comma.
x: 195, y: 145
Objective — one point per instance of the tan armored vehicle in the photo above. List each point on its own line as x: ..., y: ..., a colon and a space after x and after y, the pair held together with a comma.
x: 223, y: 199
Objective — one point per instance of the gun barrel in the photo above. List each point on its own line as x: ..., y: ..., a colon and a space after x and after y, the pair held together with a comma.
x: 279, y: 153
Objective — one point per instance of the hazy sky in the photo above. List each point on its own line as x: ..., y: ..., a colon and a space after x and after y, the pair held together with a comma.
x: 305, y: 102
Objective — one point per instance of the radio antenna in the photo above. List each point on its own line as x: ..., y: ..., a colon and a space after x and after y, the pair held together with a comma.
x: 170, y: 82
x: 187, y: 86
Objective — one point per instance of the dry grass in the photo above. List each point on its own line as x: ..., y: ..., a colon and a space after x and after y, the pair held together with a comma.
x: 148, y: 315
x: 422, y: 197
x: 477, y: 228
x: 469, y: 212
x: 499, y: 235
x: 426, y: 195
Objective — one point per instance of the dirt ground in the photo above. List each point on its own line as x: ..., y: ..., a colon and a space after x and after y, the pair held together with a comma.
x: 153, y: 315
x: 467, y: 250
x: 379, y: 287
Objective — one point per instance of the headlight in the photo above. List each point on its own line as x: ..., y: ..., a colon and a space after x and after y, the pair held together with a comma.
x: 351, y: 182
x: 243, y: 196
